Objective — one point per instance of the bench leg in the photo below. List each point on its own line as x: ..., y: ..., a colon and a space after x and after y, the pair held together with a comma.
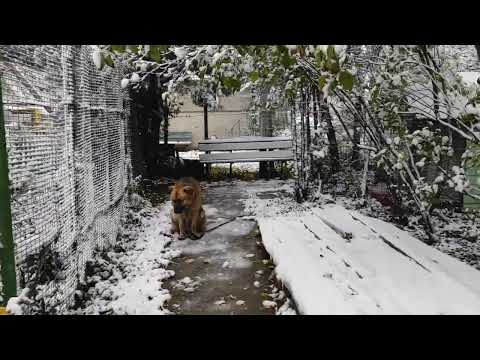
x: 206, y: 171
x: 231, y: 152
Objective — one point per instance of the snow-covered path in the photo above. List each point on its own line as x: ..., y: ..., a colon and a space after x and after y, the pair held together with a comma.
x: 148, y: 272
x: 227, y: 271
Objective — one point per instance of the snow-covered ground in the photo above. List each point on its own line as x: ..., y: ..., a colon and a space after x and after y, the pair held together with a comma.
x: 190, y: 155
x: 246, y: 166
x: 227, y: 271
x: 128, y: 279
x: 333, y: 258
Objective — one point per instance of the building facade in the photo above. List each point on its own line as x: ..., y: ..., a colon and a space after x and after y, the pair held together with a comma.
x: 229, y: 120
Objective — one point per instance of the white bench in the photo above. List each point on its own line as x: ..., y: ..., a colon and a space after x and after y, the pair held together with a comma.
x: 257, y: 149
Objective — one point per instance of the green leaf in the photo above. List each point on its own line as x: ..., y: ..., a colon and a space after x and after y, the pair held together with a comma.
x: 346, y: 80
x: 241, y: 50
x: 334, y: 67
x: 286, y: 60
x: 232, y: 83
x: 254, y: 75
x: 322, y: 81
x: 320, y: 57
x: 118, y: 48
x: 155, y: 52
x: 331, y: 52
x: 109, y: 61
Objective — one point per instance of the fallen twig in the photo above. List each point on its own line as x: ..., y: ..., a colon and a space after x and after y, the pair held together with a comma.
x: 346, y: 235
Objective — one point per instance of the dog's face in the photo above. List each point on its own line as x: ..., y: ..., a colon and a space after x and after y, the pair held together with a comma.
x: 182, y: 197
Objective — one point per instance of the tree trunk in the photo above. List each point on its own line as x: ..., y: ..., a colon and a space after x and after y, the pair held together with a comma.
x: 424, y: 54
x: 266, y: 129
x: 205, y: 134
x: 146, y: 117
x: 165, y: 123
x: 477, y: 47
x: 307, y: 120
x: 356, y: 140
x: 315, y: 112
x: 332, y: 141
x: 303, y: 150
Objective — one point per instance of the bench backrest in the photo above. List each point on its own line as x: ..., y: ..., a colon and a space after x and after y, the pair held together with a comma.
x: 185, y: 136
x: 250, y: 143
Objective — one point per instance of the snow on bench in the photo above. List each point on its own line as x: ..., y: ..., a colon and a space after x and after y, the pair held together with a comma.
x: 268, y: 149
x: 379, y: 269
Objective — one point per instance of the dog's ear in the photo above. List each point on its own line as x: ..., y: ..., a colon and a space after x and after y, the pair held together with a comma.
x: 171, y: 187
x: 188, y: 190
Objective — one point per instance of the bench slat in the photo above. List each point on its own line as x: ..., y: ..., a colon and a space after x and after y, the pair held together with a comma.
x: 180, y: 136
x: 246, y: 139
x: 282, y: 144
x: 251, y: 156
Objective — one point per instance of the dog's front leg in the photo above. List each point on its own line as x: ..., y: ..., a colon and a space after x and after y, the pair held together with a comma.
x: 174, y: 228
x: 198, y: 224
x: 182, y: 227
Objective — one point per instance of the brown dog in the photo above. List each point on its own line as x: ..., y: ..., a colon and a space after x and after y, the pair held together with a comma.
x: 188, y: 216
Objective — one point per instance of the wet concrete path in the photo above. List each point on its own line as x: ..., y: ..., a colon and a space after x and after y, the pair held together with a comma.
x: 227, y: 272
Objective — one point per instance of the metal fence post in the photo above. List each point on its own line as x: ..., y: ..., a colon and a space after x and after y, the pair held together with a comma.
x: 7, y: 256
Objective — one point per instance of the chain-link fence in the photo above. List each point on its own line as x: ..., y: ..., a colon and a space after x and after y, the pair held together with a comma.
x: 66, y: 125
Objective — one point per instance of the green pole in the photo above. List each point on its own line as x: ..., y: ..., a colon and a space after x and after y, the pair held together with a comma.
x: 7, y: 256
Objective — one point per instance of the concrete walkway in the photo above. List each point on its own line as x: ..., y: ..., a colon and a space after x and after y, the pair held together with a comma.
x: 227, y: 271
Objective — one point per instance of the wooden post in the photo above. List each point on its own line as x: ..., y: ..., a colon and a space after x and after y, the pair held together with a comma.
x: 165, y: 129
x: 205, y: 120
x: 7, y: 254
x: 164, y: 106
x: 205, y: 129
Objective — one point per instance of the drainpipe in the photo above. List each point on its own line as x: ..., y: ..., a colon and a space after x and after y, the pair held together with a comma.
x: 7, y: 256
x: 205, y: 130
x: 205, y: 120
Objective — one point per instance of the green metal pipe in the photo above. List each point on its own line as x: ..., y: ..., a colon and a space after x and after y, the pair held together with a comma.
x: 7, y: 255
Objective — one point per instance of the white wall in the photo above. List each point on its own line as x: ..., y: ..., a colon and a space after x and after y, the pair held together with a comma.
x: 220, y: 122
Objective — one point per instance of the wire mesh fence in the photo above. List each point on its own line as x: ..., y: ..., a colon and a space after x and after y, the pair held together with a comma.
x: 66, y: 126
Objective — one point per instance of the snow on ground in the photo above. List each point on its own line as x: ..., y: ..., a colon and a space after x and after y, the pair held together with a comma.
x: 190, y: 155
x: 128, y: 278
x: 226, y: 259
x: 380, y: 270
x: 195, y: 155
